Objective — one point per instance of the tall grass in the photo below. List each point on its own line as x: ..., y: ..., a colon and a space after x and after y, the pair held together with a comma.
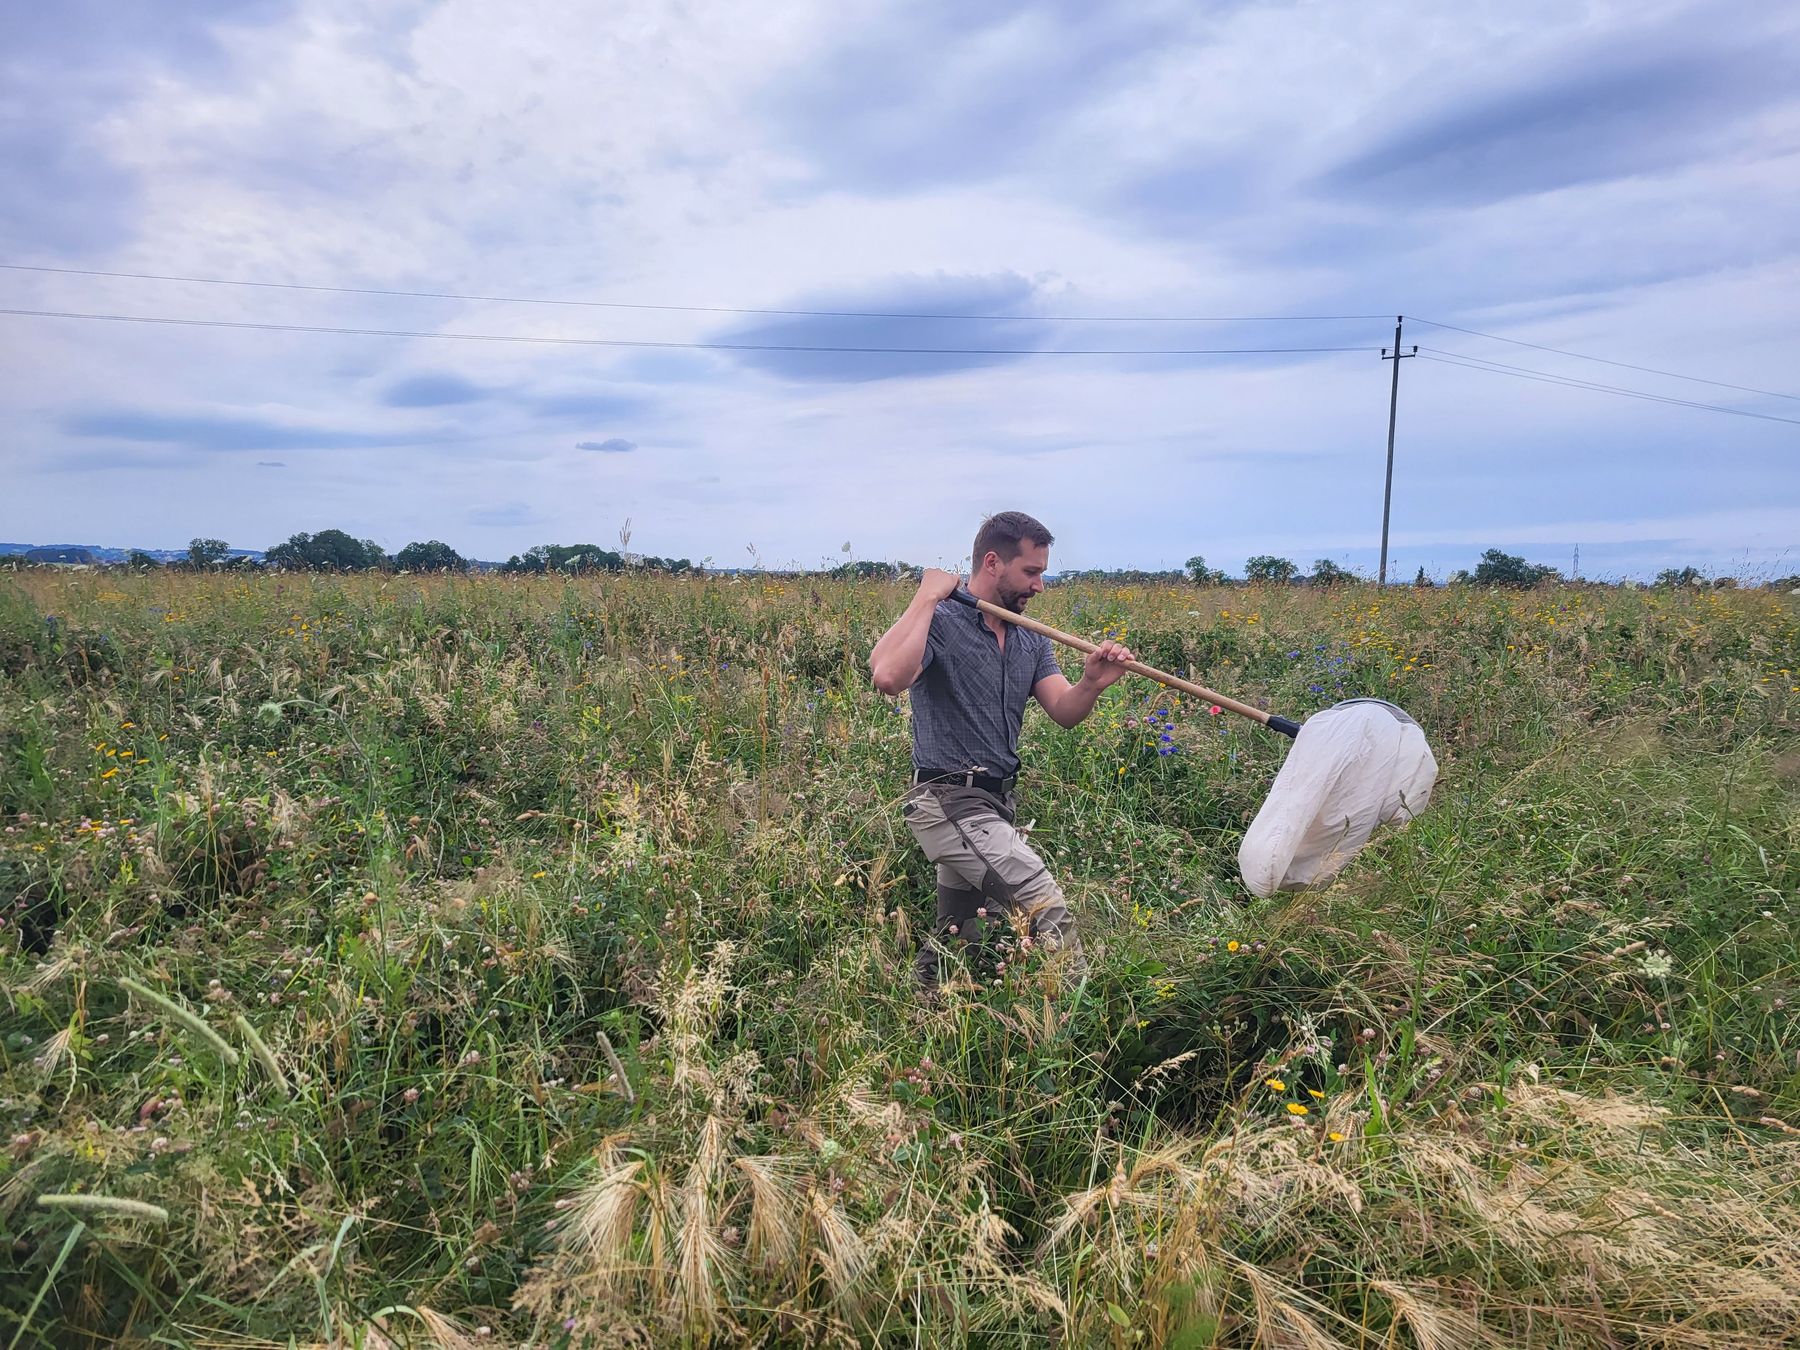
x: 528, y: 962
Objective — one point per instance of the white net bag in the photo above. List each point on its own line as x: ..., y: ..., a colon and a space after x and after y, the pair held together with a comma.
x: 1354, y: 767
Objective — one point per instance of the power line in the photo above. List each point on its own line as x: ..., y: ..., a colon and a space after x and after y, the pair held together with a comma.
x: 1468, y: 362
x: 688, y: 346
x: 699, y: 309
x: 1623, y: 365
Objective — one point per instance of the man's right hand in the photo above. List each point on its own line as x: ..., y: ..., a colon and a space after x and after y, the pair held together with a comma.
x: 937, y: 584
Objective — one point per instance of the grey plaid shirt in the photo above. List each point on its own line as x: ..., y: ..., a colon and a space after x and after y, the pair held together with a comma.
x: 969, y: 699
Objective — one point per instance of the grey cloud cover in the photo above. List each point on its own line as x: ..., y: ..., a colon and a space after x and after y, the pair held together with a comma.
x: 939, y: 345
x: 205, y: 431
x: 1614, y: 178
x: 431, y: 391
x: 1606, y: 112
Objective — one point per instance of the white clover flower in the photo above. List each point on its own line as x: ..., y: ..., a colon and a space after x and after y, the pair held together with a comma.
x: 1658, y: 965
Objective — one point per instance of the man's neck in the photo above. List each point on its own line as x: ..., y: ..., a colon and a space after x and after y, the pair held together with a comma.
x: 983, y: 589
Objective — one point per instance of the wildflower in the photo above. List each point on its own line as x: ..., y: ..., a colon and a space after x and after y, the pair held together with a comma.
x: 1315, y: 1094
x: 1295, y: 1109
x: 1658, y: 965
x: 1335, y: 1137
x: 1232, y: 946
x: 1275, y: 1085
x: 1215, y: 710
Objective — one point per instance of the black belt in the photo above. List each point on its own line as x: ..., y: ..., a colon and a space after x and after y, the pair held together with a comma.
x: 967, y: 777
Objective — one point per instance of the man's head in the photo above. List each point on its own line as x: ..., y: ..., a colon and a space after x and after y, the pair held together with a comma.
x: 1011, y: 552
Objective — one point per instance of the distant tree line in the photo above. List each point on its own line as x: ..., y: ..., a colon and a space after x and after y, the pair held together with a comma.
x: 337, y: 551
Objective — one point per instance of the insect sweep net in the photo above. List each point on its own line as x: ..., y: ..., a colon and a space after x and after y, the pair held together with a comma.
x: 1354, y: 767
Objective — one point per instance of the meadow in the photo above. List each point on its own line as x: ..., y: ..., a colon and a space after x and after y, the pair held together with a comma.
x: 394, y: 960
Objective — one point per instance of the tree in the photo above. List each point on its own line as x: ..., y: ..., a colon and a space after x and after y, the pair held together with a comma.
x: 1327, y: 573
x: 139, y: 561
x: 1267, y: 568
x: 1422, y: 581
x: 204, y: 553
x: 1679, y: 576
x: 1508, y: 570
x: 326, y: 551
x: 567, y: 558
x: 431, y: 556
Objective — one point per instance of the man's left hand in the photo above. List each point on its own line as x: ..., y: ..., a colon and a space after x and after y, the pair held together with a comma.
x: 1105, y: 664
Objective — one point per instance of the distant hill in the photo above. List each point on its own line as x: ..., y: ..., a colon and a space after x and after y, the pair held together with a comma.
x: 100, y: 553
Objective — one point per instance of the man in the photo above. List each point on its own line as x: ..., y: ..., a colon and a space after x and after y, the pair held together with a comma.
x: 970, y: 675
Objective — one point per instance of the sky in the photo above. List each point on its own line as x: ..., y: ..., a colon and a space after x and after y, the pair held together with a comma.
x: 1179, y: 187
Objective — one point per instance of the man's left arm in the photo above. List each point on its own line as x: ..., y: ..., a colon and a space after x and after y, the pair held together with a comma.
x: 1067, y: 704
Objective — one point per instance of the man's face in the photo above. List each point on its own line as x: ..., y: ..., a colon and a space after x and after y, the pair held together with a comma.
x: 1017, y: 581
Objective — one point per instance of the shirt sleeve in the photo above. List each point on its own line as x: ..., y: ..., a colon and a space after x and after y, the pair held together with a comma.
x: 1047, y: 663
x: 934, y: 640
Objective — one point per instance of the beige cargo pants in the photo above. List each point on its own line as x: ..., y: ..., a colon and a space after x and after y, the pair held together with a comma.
x: 985, y: 869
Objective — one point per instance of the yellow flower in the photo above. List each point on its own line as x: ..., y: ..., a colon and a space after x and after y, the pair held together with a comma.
x: 537, y: 875
x: 1232, y: 946
x: 1335, y: 1137
x: 110, y: 772
x: 1276, y: 1085
x: 1315, y: 1094
x: 1295, y: 1109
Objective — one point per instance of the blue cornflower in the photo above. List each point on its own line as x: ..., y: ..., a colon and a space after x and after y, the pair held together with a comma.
x: 1316, y: 688
x: 1293, y: 656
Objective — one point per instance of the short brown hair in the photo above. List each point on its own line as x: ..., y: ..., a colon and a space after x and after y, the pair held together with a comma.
x: 1004, y: 533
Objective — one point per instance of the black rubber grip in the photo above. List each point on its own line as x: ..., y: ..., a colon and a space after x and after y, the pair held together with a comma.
x: 962, y: 597
x: 1281, y: 724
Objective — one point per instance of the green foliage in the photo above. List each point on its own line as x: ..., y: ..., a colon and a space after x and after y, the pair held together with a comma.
x: 571, y: 559
x: 1202, y: 575
x: 866, y: 570
x: 1509, y: 570
x: 326, y: 551
x: 1327, y: 573
x: 1680, y: 576
x: 1270, y: 570
x: 205, y: 553
x: 558, y: 934
x: 430, y: 556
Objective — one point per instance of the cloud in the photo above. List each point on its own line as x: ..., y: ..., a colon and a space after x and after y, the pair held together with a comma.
x: 929, y: 345
x: 590, y: 405
x: 270, y: 464
x: 941, y: 92
x: 68, y: 70
x: 1606, y: 110
x: 618, y: 445
x: 431, y: 391
x: 203, y: 431
x: 508, y: 514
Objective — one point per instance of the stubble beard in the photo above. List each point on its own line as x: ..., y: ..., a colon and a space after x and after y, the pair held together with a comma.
x: 1014, y: 600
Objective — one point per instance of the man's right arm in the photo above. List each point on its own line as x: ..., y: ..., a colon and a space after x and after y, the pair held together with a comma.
x: 900, y: 655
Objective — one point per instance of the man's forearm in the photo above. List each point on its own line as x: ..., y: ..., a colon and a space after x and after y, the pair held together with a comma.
x: 1076, y: 703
